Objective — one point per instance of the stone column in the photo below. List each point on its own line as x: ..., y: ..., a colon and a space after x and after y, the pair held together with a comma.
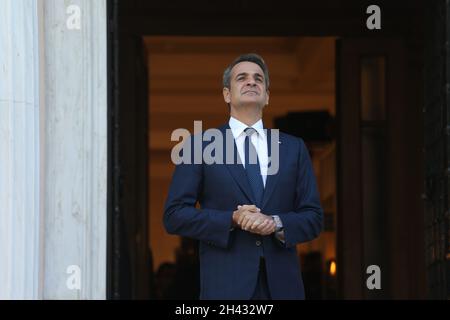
x: 19, y: 150
x: 53, y: 138
x: 75, y: 149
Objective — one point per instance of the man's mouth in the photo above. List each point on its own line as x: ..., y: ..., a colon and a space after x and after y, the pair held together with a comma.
x: 250, y: 91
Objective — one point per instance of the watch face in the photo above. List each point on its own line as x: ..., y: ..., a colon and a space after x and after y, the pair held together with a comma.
x: 278, y: 222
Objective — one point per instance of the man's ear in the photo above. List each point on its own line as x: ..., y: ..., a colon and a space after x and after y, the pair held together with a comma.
x: 267, y: 96
x: 226, y: 94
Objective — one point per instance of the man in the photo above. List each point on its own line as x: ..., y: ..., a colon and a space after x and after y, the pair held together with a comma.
x: 249, y: 220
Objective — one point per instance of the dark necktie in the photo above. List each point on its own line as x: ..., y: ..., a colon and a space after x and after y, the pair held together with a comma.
x: 252, y: 167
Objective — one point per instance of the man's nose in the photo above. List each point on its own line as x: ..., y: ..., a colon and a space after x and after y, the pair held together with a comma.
x: 251, y: 82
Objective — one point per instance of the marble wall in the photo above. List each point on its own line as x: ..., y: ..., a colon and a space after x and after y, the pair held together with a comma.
x: 53, y: 139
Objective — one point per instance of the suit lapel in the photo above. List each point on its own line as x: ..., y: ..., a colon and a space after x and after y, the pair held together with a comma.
x: 236, y: 169
x: 239, y: 175
x: 272, y: 180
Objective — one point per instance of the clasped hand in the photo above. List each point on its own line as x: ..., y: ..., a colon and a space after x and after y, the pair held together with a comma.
x: 250, y: 218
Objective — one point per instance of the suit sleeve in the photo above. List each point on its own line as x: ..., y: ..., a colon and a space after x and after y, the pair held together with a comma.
x: 181, y: 217
x: 306, y: 221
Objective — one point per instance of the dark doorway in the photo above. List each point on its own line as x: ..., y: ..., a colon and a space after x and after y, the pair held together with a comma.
x: 185, y: 75
x: 401, y: 220
x: 380, y: 177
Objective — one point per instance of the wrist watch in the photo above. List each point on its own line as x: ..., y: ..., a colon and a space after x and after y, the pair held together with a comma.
x: 278, y: 223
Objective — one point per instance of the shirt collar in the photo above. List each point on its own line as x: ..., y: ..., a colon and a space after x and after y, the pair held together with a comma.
x: 237, y: 127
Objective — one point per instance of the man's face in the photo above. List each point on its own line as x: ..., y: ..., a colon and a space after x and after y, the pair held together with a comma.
x: 247, y: 86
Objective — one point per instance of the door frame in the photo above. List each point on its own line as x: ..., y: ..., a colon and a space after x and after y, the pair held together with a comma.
x: 128, y: 22
x: 394, y: 249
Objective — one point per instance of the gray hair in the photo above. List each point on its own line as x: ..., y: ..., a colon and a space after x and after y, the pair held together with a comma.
x: 250, y: 57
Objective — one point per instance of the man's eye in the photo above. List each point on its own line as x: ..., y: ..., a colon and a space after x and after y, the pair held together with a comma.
x: 259, y: 79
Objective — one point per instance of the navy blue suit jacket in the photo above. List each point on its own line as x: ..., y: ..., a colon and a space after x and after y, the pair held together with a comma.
x: 229, y: 259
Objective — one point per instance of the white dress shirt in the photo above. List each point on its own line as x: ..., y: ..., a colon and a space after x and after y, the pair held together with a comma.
x: 259, y: 141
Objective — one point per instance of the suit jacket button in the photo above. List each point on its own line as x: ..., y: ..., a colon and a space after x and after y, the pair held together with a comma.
x: 258, y: 243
